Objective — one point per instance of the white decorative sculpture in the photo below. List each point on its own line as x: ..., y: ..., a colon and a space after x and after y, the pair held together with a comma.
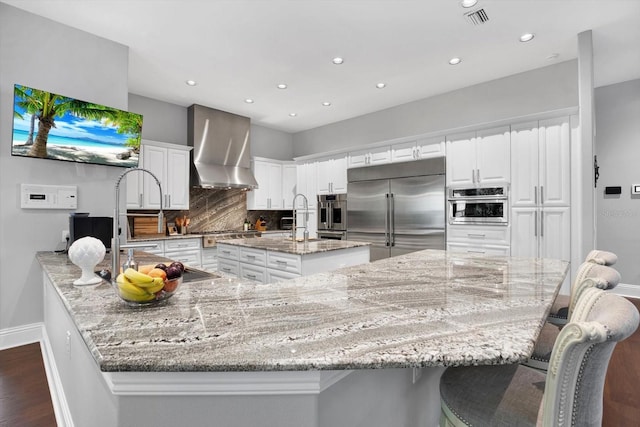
x: 86, y: 253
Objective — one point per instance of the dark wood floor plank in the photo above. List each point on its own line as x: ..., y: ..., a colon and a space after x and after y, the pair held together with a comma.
x: 24, y: 392
x: 25, y: 400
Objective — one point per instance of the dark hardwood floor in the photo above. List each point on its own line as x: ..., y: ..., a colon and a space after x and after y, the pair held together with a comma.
x: 24, y: 392
x: 25, y: 399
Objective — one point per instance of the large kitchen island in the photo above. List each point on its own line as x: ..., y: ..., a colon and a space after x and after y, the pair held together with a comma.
x: 361, y: 345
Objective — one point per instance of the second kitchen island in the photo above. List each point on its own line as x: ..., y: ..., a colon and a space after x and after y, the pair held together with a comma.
x: 272, y: 260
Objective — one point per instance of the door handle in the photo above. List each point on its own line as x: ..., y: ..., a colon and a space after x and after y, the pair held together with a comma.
x: 535, y: 223
x: 541, y: 224
x: 392, y: 216
x: 386, y: 223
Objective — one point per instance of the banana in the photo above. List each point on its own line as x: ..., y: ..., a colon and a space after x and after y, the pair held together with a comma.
x: 158, y: 285
x: 132, y: 289
x: 122, y: 279
x: 133, y: 297
x: 138, y: 278
x: 154, y: 283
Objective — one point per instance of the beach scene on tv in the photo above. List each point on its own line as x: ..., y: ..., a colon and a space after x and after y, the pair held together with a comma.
x: 51, y: 126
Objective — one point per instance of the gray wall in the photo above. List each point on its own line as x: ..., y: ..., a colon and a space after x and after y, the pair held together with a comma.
x: 545, y: 89
x: 43, y: 54
x: 168, y: 123
x: 618, y: 150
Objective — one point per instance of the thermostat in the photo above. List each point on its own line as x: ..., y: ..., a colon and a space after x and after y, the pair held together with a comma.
x: 48, y: 196
x: 635, y: 188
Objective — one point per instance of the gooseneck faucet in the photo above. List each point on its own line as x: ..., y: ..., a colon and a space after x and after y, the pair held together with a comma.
x: 115, y: 241
x: 294, y: 228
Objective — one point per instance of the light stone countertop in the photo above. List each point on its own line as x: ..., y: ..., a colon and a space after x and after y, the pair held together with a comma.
x: 297, y: 248
x: 427, y: 308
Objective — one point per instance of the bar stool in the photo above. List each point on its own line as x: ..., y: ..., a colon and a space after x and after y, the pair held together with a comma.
x: 571, y: 393
x: 603, y: 277
x: 602, y: 257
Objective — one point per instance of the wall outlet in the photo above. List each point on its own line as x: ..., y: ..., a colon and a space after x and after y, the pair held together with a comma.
x: 65, y: 235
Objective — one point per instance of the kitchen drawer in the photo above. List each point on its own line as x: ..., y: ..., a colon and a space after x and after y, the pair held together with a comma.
x: 253, y: 272
x: 191, y: 258
x: 228, y: 252
x: 158, y: 249
x: 479, y: 249
x: 209, y: 255
x: 228, y: 266
x: 274, y: 276
x: 497, y: 235
x: 285, y: 262
x: 253, y: 256
x: 182, y: 244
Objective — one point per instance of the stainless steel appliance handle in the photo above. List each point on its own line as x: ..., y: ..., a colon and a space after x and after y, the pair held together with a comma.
x: 535, y: 223
x: 541, y: 194
x: 392, y: 216
x: 386, y: 223
x: 541, y: 224
x: 535, y: 194
x: 330, y: 216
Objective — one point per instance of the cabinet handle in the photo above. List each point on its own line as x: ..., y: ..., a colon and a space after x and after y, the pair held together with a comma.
x: 251, y: 256
x: 541, y: 194
x: 418, y: 153
x: 168, y: 200
x: 535, y: 194
x: 471, y: 251
x: 478, y: 235
x: 478, y: 176
x: 140, y: 199
x: 226, y: 269
x: 281, y: 262
x: 251, y: 276
x: 226, y: 252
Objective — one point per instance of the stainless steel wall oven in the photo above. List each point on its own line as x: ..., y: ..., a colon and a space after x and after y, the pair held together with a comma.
x: 332, y: 212
x: 479, y: 205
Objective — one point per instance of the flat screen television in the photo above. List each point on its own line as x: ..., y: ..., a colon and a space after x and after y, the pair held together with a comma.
x: 51, y: 126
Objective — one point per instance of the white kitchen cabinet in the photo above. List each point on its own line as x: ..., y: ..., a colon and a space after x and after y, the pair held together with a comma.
x: 544, y: 233
x: 423, y: 148
x: 276, y: 185
x: 170, y: 164
x: 312, y: 223
x: 541, y: 164
x: 307, y: 184
x: 480, y: 239
x: 186, y: 251
x: 370, y: 156
x: 479, y: 158
x: 210, y: 259
x: 332, y: 175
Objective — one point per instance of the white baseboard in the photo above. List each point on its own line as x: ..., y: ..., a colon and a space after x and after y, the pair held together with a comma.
x: 20, y: 335
x: 58, y: 398
x: 627, y: 290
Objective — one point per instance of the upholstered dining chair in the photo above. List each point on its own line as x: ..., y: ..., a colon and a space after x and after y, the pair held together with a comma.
x: 603, y: 277
x: 602, y: 257
x: 571, y: 392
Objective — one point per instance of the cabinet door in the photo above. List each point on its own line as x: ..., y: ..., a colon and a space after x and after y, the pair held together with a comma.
x: 306, y: 184
x: 403, y: 152
x: 176, y: 184
x: 524, y: 165
x: 555, y: 162
x: 323, y: 176
x: 358, y: 158
x: 275, y: 186
x: 289, y: 185
x: 154, y: 159
x: 339, y: 171
x: 524, y: 232
x: 461, y: 159
x: 555, y: 233
x: 430, y: 147
x: 493, y: 156
x: 379, y: 155
x: 134, y: 190
x: 258, y: 198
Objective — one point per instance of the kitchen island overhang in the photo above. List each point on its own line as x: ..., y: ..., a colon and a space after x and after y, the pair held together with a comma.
x: 429, y: 308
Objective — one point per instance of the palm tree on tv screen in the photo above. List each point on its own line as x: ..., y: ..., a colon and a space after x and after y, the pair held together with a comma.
x: 47, y: 106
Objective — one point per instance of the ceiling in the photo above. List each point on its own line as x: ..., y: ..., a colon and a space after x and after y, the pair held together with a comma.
x: 239, y: 49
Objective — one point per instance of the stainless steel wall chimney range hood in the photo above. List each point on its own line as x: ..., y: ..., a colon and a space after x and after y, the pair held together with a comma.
x: 221, y: 150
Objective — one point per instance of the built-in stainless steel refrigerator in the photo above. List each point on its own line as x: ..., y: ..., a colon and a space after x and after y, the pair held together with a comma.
x: 398, y: 207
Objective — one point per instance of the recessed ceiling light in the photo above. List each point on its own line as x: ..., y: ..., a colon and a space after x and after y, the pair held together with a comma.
x: 326, y: 104
x: 293, y: 114
x: 282, y: 86
x: 381, y: 85
x: 527, y: 37
x: 468, y: 3
x: 337, y: 60
x: 191, y: 82
x: 455, y: 61
x: 249, y: 101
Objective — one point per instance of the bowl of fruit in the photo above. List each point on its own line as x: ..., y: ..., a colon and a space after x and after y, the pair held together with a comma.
x: 150, y: 284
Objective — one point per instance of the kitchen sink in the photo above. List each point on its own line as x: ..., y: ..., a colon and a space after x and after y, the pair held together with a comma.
x: 193, y: 275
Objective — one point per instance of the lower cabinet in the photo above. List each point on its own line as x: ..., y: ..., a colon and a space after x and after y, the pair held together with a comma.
x: 257, y: 264
x: 186, y: 251
x: 210, y: 259
x: 478, y: 239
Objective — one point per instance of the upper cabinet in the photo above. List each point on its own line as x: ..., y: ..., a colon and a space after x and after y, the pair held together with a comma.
x: 332, y: 175
x: 369, y: 157
x: 420, y: 149
x: 276, y: 185
x: 170, y: 164
x: 479, y: 158
x: 540, y: 163
x: 307, y: 184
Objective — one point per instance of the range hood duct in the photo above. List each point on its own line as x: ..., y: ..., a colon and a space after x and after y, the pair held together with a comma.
x: 221, y: 151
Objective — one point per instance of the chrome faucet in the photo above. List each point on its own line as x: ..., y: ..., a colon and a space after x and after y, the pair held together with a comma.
x: 115, y: 241
x: 294, y: 228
